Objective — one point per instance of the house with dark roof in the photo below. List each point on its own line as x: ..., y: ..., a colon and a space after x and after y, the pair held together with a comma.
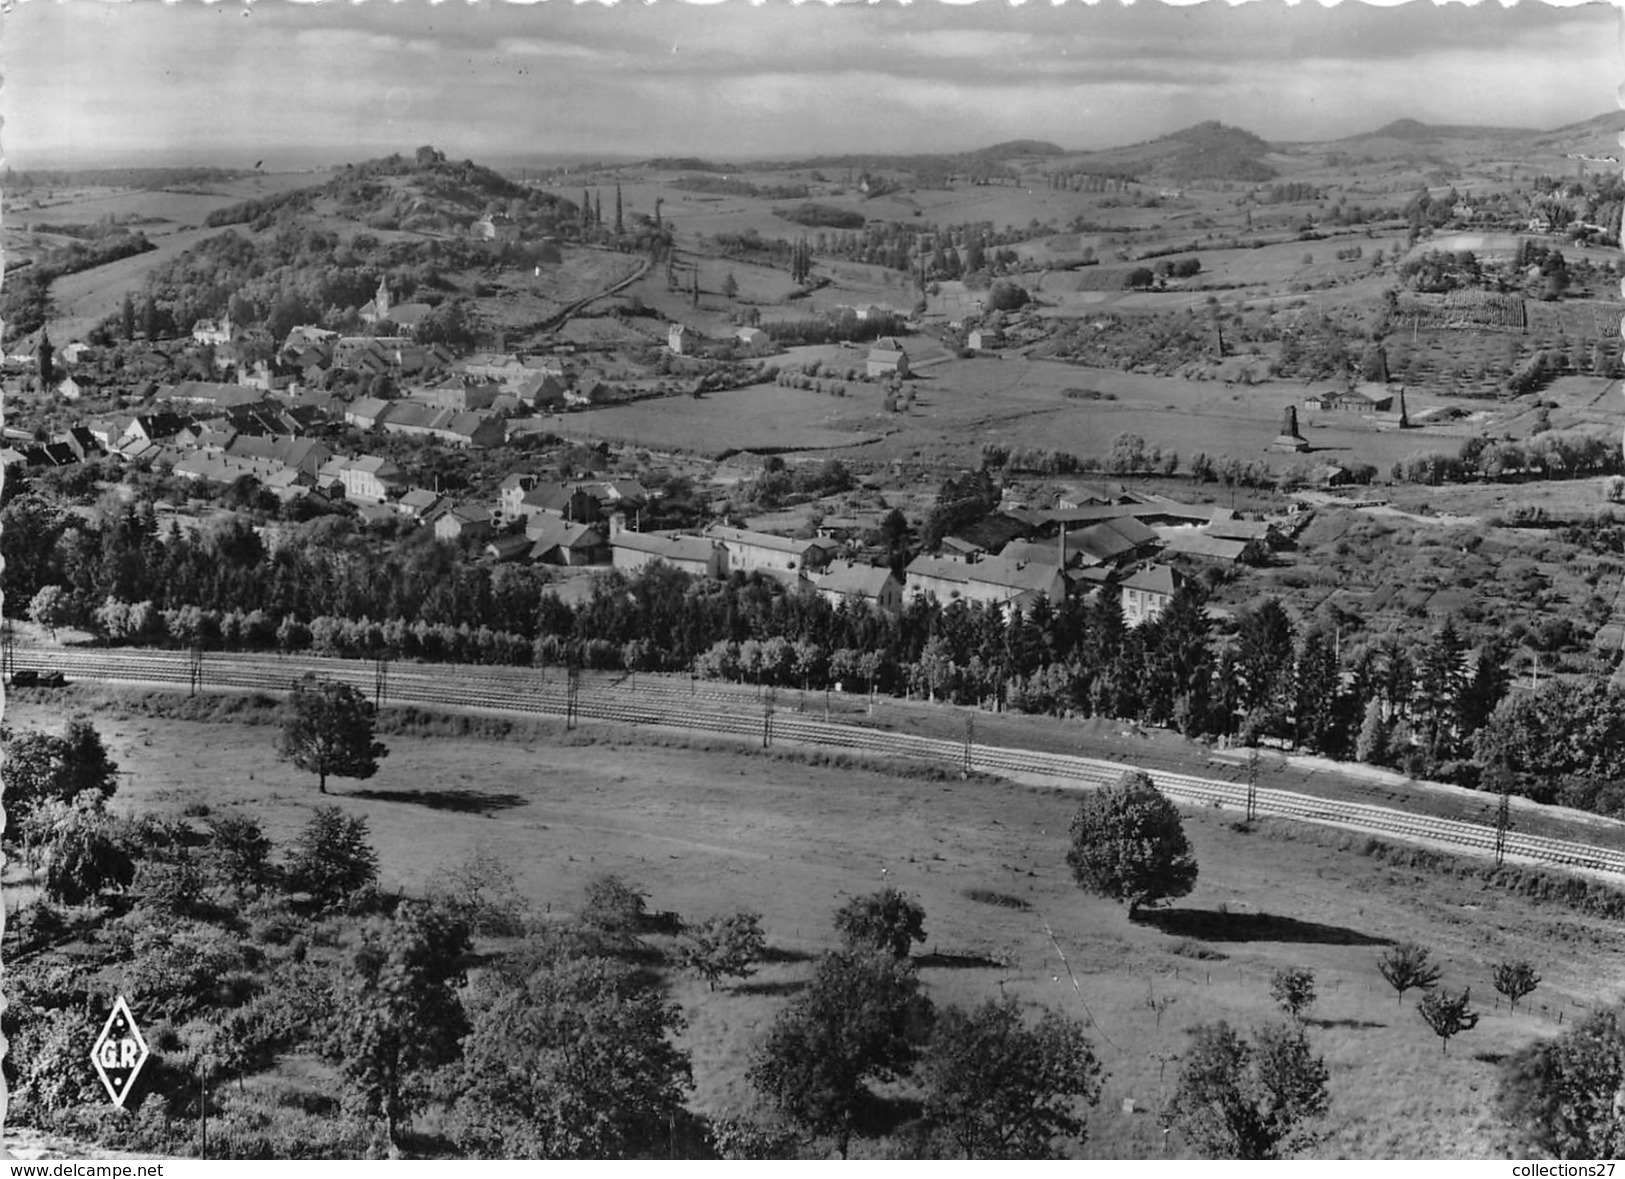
x: 1147, y: 592
x: 464, y: 521
x: 303, y: 455
x: 459, y: 393
x: 421, y: 504
x: 762, y: 552
x: 366, y: 413
x: 694, y: 555
x: 206, y: 396
x: 556, y: 542
x: 847, y: 581
x: 998, y: 581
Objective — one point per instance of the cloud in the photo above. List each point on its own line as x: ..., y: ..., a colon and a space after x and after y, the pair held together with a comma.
x: 735, y: 78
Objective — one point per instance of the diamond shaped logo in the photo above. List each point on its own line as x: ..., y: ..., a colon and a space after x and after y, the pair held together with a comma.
x: 119, y: 1053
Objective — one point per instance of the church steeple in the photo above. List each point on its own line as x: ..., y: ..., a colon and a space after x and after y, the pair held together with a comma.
x: 381, y: 299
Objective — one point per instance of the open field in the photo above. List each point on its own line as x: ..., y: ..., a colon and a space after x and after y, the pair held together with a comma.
x: 960, y: 405
x: 709, y: 829
x: 758, y: 417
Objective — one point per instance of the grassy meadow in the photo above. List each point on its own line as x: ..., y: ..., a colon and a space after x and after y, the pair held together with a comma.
x: 712, y: 827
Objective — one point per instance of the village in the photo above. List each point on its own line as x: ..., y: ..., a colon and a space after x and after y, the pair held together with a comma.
x: 273, y: 428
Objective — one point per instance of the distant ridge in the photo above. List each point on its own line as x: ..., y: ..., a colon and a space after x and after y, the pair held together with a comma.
x: 1019, y: 147
x: 1417, y: 132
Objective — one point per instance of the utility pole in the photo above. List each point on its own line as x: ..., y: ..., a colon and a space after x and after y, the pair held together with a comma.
x: 767, y: 717
x: 970, y: 739
x: 572, y: 691
x: 194, y: 668
x: 1503, y: 819
x: 380, y: 680
x: 1252, y: 784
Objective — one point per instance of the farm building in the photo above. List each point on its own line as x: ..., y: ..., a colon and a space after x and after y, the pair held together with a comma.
x: 996, y: 580
x: 458, y: 393
x: 447, y: 425
x: 851, y: 582
x: 1366, y: 398
x: 688, y: 554
x: 204, y: 467
x: 984, y: 339
x: 1147, y: 592
x: 556, y: 542
x: 464, y: 521
x: 887, y: 358
x: 1190, y: 542
x: 679, y: 338
x: 541, y: 391
x: 303, y: 455
x: 206, y: 396
x: 762, y: 552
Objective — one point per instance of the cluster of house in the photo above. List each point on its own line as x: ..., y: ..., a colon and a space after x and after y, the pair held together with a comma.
x: 1090, y: 542
x: 1097, y: 542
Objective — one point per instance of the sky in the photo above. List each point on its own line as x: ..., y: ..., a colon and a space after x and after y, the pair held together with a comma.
x: 300, y: 84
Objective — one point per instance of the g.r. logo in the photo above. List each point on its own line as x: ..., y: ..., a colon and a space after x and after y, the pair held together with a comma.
x: 119, y: 1052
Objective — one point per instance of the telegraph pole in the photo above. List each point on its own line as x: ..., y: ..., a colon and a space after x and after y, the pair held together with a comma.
x: 380, y: 681
x: 572, y: 692
x: 1503, y: 819
x: 970, y: 739
x: 1252, y: 784
x: 767, y: 717
x: 194, y: 667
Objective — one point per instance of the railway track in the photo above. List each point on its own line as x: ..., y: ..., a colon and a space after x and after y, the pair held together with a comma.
x: 650, y: 701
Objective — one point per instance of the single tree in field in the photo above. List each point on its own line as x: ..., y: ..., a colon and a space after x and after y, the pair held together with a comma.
x: 239, y: 854
x: 886, y: 920
x: 570, y: 1056
x: 1448, y: 1015
x: 87, y: 854
x: 1515, y: 980
x: 1561, y: 1096
x: 399, y: 1017
x: 614, y: 908
x: 1237, y: 1100
x: 730, y: 286
x: 329, y: 730
x: 1128, y: 844
x: 1293, y: 987
x: 332, y: 858
x: 1406, y: 966
x: 860, y: 1020
x: 724, y: 946
x: 1004, y: 1090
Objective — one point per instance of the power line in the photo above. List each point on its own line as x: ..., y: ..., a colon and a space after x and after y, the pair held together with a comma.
x: 1093, y: 1022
